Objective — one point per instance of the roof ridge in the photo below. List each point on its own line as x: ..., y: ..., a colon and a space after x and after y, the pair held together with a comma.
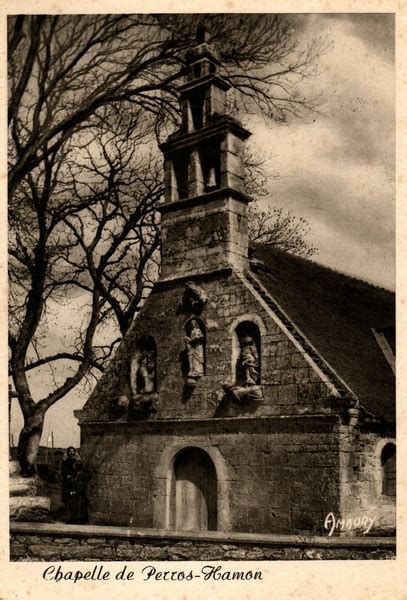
x: 353, y: 278
x: 325, y: 268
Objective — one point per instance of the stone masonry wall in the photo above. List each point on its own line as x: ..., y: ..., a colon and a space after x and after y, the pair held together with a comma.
x: 30, y: 542
x: 274, y: 475
x: 279, y: 473
x: 290, y: 385
x: 361, y: 474
x: 198, y: 239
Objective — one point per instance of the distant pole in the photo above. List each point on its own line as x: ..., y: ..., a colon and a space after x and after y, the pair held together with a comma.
x: 52, y: 439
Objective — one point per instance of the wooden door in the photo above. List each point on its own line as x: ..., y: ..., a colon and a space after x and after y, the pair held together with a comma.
x: 195, y: 491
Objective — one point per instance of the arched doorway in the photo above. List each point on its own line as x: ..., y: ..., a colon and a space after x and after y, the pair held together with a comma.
x: 194, y: 498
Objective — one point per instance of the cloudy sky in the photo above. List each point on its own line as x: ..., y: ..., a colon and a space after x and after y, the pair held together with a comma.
x: 336, y: 169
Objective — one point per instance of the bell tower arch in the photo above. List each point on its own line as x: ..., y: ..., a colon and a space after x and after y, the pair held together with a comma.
x: 204, y: 218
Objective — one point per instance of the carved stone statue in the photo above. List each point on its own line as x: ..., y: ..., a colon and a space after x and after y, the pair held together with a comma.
x: 138, y: 398
x: 194, y: 344
x: 246, y: 388
x: 143, y: 398
x: 248, y: 363
x: 146, y: 372
x: 243, y: 394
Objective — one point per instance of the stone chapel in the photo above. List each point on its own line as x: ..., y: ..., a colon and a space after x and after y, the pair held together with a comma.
x: 255, y: 390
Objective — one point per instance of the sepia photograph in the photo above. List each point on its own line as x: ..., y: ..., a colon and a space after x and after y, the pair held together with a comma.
x: 201, y: 239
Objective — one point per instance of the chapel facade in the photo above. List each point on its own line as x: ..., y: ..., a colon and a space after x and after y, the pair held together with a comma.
x: 252, y: 393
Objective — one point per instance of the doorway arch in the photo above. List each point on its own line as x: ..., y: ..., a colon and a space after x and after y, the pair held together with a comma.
x: 194, y: 494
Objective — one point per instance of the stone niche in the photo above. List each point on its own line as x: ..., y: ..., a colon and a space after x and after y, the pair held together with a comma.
x: 143, y: 367
x: 194, y: 356
x: 245, y: 385
x: 143, y: 379
x: 247, y: 350
x: 139, y: 396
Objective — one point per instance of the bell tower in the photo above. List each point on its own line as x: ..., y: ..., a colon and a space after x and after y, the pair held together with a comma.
x: 204, y: 217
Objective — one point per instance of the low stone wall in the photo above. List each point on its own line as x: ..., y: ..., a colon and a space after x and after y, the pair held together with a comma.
x: 57, y: 542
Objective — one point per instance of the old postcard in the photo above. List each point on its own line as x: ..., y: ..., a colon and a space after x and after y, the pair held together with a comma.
x: 201, y: 243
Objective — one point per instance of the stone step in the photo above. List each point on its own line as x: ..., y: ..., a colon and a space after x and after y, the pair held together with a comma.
x: 23, y: 486
x: 29, y: 508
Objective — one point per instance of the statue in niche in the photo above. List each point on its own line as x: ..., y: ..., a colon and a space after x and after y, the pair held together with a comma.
x: 195, y: 351
x: 193, y: 299
x: 145, y: 375
x: 248, y: 363
x: 246, y: 388
x: 138, y: 395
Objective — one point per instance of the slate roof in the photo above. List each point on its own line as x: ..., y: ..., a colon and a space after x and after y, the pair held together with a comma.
x: 336, y: 313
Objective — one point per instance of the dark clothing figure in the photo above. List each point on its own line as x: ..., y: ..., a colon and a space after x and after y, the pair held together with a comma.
x: 74, y: 483
x: 77, y: 503
x: 67, y: 473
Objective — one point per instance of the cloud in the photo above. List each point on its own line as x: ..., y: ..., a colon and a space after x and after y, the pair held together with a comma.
x: 360, y: 94
x: 337, y: 169
x: 376, y: 31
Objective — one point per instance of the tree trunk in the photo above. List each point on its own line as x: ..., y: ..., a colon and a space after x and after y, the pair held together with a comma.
x: 29, y: 440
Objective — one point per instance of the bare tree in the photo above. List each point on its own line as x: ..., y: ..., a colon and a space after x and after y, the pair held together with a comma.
x: 62, y: 70
x: 281, y: 229
x: 87, y: 95
x: 99, y: 237
x: 273, y: 226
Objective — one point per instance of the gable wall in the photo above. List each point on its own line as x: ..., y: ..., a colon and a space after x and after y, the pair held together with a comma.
x: 280, y: 468
x: 289, y: 383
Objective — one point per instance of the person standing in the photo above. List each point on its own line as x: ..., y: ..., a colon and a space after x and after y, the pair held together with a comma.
x: 68, y: 475
x: 78, y: 503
